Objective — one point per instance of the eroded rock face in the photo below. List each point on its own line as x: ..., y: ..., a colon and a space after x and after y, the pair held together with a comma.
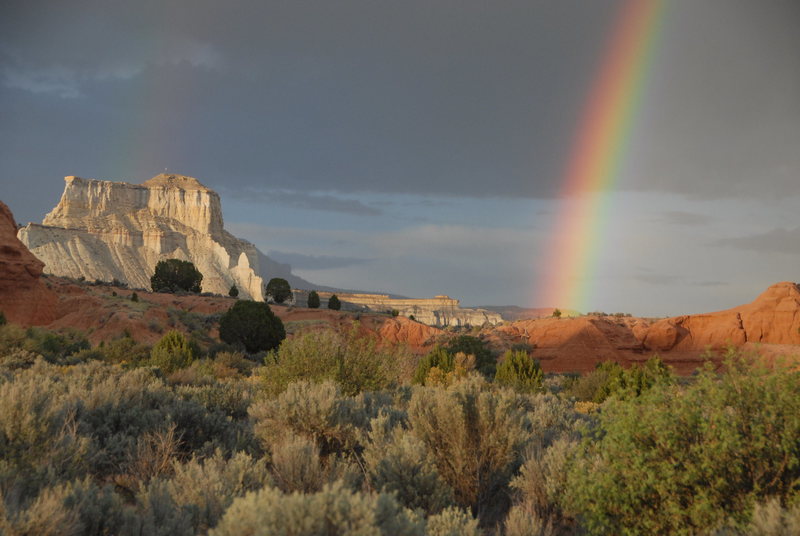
x: 114, y: 230
x: 24, y: 297
x: 440, y: 311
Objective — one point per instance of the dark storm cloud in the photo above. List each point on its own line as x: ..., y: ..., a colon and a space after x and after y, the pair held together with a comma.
x: 773, y: 241
x: 301, y: 261
x: 307, y: 201
x: 460, y: 98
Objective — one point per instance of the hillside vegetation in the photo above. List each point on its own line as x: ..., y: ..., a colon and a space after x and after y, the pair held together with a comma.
x: 331, y: 433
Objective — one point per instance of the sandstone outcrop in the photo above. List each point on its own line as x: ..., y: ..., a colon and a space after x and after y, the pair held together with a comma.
x: 770, y: 325
x: 24, y: 297
x: 441, y: 311
x: 103, y: 230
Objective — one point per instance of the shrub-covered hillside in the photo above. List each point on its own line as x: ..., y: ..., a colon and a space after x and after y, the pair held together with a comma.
x: 331, y: 434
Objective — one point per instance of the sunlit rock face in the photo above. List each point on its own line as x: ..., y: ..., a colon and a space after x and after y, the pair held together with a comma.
x: 104, y: 230
x: 24, y: 297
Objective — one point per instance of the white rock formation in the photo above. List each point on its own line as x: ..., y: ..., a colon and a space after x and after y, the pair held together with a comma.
x: 114, y: 230
x: 441, y: 311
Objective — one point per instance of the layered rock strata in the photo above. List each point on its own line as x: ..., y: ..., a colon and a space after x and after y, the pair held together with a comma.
x: 103, y: 230
x: 24, y: 297
x: 441, y: 311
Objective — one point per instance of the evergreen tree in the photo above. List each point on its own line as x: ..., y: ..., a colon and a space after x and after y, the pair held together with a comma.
x: 313, y: 300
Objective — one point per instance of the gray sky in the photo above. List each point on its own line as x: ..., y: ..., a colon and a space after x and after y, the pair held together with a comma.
x: 417, y: 147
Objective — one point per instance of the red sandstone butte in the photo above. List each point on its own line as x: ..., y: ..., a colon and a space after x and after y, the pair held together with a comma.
x: 24, y: 297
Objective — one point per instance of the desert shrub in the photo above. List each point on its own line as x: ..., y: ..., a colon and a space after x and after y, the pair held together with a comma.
x: 682, y: 460
x: 125, y: 350
x: 296, y: 465
x: 160, y: 514
x: 539, y: 490
x: 172, y: 352
x: 356, y: 363
x: 438, y: 358
x: 251, y: 325
x: 467, y: 344
x: 770, y: 518
x: 475, y: 436
x: 334, y: 510
x: 334, y: 303
x: 399, y: 463
x: 3, y: 320
x: 519, y: 371
x: 279, y: 290
x: 208, y: 487
x: 173, y: 275
x: 452, y: 522
x: 134, y: 297
x: 44, y: 516
x: 318, y: 412
x: 40, y: 442
x: 55, y: 347
x: 311, y: 356
x: 233, y: 292
x: 313, y: 300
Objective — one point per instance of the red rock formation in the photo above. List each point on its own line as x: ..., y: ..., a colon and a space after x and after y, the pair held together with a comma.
x: 773, y: 318
x: 24, y: 297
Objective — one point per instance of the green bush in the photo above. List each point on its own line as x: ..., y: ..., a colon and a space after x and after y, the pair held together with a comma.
x: 173, y: 275
x: 3, y: 320
x: 439, y: 358
x: 335, y: 510
x: 134, y: 297
x: 333, y: 303
x: 279, y: 290
x: 452, y: 522
x: 172, y: 352
x: 233, y: 292
x: 469, y: 345
x: 355, y: 362
x: 313, y: 300
x: 519, y: 371
x: 611, y: 379
x: 683, y: 460
x: 251, y: 325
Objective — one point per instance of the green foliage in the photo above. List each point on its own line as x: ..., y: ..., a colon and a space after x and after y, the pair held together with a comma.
x: 279, y: 290
x: 469, y: 345
x: 355, y: 362
x: 557, y: 313
x: 333, y: 303
x: 313, y: 300
x: 233, y: 292
x: 335, y: 510
x: 439, y: 358
x: 3, y: 320
x: 251, y: 325
x: 395, y: 312
x: 172, y: 352
x: 173, y: 275
x: 452, y: 522
x: 520, y: 371
x: 682, y: 460
x: 611, y: 379
x: 134, y: 297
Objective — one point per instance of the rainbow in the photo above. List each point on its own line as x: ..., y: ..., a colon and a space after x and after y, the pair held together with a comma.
x: 597, y: 155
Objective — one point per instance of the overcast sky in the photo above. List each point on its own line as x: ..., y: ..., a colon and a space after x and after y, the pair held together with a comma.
x: 416, y: 147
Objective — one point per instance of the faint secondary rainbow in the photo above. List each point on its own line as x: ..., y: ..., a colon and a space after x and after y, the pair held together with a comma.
x: 598, y: 154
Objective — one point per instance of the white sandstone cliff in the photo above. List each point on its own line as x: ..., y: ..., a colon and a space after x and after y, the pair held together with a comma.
x: 114, y: 230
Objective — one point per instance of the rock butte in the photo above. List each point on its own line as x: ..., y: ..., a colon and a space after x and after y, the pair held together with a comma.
x: 24, y: 297
x: 103, y: 230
